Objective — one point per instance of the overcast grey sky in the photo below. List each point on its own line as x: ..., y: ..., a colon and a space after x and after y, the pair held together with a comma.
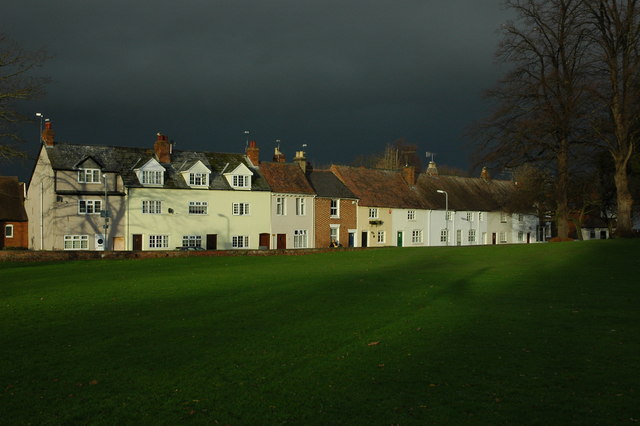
x: 344, y: 77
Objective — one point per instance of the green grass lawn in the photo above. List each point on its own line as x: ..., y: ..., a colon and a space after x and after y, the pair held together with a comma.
x: 535, y: 334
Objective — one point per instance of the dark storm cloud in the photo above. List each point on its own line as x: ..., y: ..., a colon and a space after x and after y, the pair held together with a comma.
x: 343, y: 76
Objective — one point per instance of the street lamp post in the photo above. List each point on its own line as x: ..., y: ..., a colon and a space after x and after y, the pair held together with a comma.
x: 446, y: 214
x: 39, y: 114
x: 105, y: 214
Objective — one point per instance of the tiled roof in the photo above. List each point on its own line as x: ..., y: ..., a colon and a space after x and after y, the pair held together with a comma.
x: 286, y: 178
x: 125, y: 160
x: 11, y: 199
x: 472, y: 194
x: 327, y: 185
x: 379, y: 188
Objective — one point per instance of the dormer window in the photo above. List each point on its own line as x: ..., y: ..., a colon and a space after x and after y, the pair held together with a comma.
x: 152, y: 177
x: 198, y: 179
x: 89, y: 176
x: 151, y: 173
x: 239, y: 178
x: 240, y: 181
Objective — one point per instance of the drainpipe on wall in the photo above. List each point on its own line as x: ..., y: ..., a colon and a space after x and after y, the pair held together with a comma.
x: 41, y: 215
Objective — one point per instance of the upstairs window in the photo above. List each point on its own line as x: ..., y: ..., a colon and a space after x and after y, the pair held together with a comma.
x: 280, y: 206
x: 89, y: 176
x: 470, y: 216
x: 241, y: 209
x: 481, y: 216
x: 152, y: 177
x: 449, y: 215
x: 373, y: 213
x: 152, y: 207
x: 198, y: 207
x: 240, y: 181
x: 89, y: 206
x: 300, y: 207
x: 335, y: 208
x: 198, y: 179
x: 411, y: 215
x: 503, y: 217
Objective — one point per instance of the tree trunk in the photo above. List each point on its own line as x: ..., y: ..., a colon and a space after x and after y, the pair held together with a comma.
x: 624, y: 227
x: 562, y: 202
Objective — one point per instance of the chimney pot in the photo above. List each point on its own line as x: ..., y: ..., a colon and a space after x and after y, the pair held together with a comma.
x: 409, y: 174
x: 432, y: 170
x: 253, y: 152
x: 162, y: 148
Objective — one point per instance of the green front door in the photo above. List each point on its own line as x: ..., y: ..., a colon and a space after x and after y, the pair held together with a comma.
x: 399, y: 238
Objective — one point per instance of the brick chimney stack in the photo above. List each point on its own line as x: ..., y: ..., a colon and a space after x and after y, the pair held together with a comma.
x: 162, y: 148
x: 48, y: 134
x: 484, y: 174
x: 278, y: 157
x: 409, y: 174
x: 432, y: 170
x: 253, y: 152
x: 301, y: 160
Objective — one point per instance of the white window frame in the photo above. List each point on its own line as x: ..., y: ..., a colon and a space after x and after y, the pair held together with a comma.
x: 281, y: 206
x: 89, y: 206
x: 470, y: 216
x: 381, y: 237
x: 240, y: 241
x: 199, y: 208
x: 449, y: 215
x: 192, y: 241
x: 152, y: 177
x: 89, y: 176
x: 444, y: 235
x: 503, y: 217
x: 158, y: 241
x: 472, y: 236
x: 416, y: 236
x: 521, y: 236
x: 300, y: 238
x: 373, y: 212
x: 300, y: 206
x: 8, y: 231
x: 411, y: 215
x: 151, y: 206
x: 334, y: 233
x: 334, y: 208
x: 76, y: 242
x: 480, y: 216
x: 240, y: 209
x: 502, y: 237
x: 240, y: 181
x: 198, y: 179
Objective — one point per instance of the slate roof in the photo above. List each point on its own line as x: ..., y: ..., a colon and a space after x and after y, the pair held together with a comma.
x: 12, y: 199
x: 470, y: 194
x: 379, y: 188
x: 286, y: 178
x: 125, y: 160
x: 327, y: 185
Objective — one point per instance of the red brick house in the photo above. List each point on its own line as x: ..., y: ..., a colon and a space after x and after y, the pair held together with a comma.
x: 336, y: 210
x: 13, y: 216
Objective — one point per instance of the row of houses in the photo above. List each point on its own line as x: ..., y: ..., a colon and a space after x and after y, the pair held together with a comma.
x: 86, y: 197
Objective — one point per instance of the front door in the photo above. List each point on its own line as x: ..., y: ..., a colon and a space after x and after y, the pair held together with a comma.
x: 399, y: 238
x: 137, y: 242
x: 212, y: 241
x: 364, y: 239
x: 352, y: 239
x: 459, y: 237
x: 281, y: 241
x: 528, y: 237
x: 493, y: 238
x: 264, y: 241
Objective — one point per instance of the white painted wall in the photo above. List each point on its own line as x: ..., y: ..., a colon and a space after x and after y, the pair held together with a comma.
x: 289, y: 222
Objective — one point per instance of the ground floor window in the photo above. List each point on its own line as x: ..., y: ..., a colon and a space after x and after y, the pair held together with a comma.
x: 503, y: 237
x: 158, y: 241
x: 334, y: 234
x: 192, y: 241
x: 381, y: 236
x: 416, y: 236
x: 300, y: 238
x: 76, y: 242
x: 443, y: 236
x: 472, y: 235
x: 520, y: 236
x: 8, y: 231
x: 240, y: 241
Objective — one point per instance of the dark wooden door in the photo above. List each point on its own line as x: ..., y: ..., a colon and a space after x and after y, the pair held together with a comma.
x: 281, y: 241
x: 264, y: 241
x: 364, y: 239
x: 137, y: 242
x: 493, y: 238
x: 212, y: 241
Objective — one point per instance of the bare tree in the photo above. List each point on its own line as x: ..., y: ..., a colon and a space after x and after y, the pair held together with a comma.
x: 540, y: 101
x: 616, y: 43
x: 17, y: 84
